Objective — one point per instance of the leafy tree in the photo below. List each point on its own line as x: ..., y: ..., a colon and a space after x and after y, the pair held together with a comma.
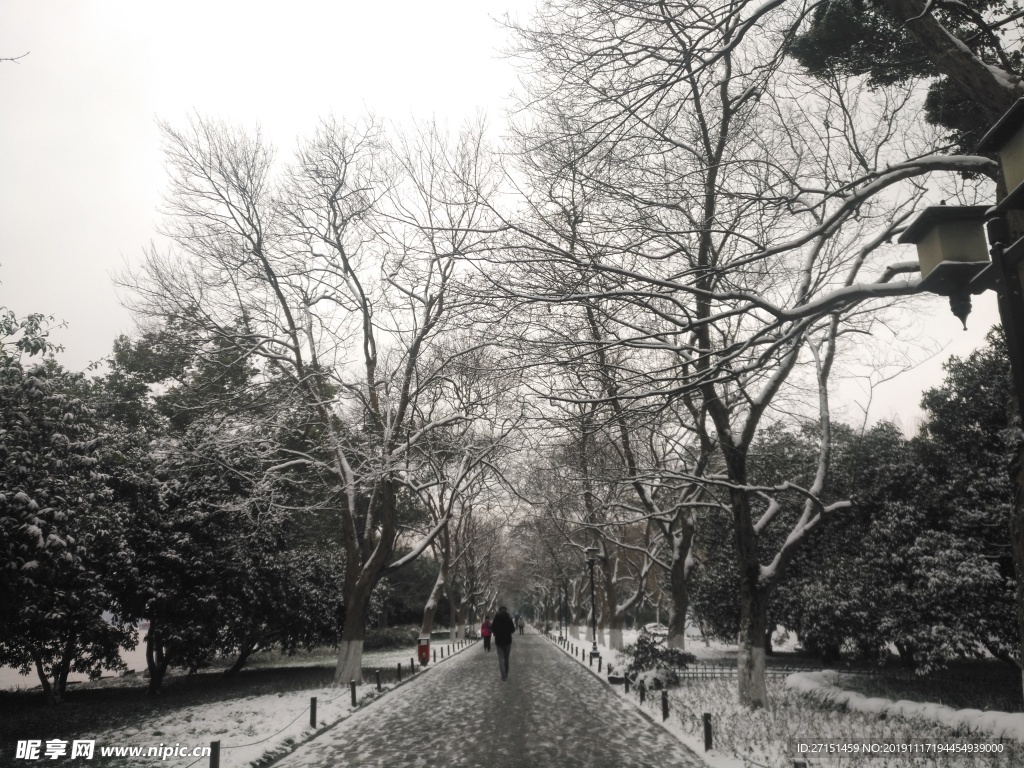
x: 855, y: 38
x: 59, y: 539
x: 221, y: 562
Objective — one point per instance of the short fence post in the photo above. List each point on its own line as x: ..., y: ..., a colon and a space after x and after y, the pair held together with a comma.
x: 412, y: 666
x: 352, y: 685
x: 626, y: 681
x: 378, y: 681
x: 312, y: 712
x: 664, y: 705
x: 707, y: 731
x: 599, y: 664
x: 591, y: 659
x: 215, y: 754
x: 399, y: 671
x: 435, y: 655
x: 643, y: 693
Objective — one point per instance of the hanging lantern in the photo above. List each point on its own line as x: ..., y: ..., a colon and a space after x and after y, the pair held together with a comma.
x: 952, y: 251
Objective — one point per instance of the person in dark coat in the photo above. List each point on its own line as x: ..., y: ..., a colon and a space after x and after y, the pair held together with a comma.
x: 503, y: 627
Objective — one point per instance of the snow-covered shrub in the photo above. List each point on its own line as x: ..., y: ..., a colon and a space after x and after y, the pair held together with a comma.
x: 652, y: 664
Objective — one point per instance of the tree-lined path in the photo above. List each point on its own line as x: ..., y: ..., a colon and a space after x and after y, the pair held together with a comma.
x: 551, y: 711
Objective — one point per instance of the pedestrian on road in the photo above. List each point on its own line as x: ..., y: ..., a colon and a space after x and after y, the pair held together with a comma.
x: 485, y: 633
x: 503, y: 627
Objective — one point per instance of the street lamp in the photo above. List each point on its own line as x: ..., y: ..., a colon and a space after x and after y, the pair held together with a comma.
x: 952, y: 252
x: 950, y: 244
x: 591, y: 559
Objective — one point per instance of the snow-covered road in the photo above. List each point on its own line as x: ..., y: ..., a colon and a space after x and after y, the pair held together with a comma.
x: 550, y: 712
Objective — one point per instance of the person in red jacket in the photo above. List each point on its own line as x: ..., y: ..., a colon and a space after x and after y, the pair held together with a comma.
x: 503, y: 627
x: 485, y: 633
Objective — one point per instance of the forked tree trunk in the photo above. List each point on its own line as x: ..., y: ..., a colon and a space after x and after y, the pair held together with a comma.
x: 243, y: 656
x: 44, y: 680
x: 157, y: 659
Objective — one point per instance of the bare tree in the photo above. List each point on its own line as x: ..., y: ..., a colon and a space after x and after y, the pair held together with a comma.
x: 335, y: 276
x: 742, y: 209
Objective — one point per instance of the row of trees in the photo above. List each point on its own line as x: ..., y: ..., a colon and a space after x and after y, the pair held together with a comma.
x: 690, y: 233
x: 711, y: 195
x: 122, y: 508
x: 920, y: 562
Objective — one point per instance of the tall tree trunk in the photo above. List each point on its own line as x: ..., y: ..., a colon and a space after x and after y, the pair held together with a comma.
x: 157, y: 659
x: 365, y: 564
x: 60, y: 673
x: 350, y: 649
x: 682, y: 562
x: 430, y: 609
x: 752, y: 689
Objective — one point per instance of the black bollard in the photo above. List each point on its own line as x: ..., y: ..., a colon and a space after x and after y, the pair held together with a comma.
x: 352, y: 685
x: 215, y: 754
x: 643, y: 694
x: 707, y: 731
x: 312, y: 712
x: 435, y: 655
x: 399, y: 671
x: 625, y: 680
x: 378, y: 681
x: 599, y: 664
x: 664, y: 705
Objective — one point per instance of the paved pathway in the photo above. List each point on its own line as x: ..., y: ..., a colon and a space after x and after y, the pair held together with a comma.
x: 550, y: 712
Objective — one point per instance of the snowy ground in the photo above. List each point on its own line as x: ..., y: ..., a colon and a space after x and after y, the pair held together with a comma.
x: 808, y: 707
x: 249, y: 728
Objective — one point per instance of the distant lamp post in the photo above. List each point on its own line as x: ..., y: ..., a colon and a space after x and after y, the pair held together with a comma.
x: 591, y: 559
x: 952, y: 252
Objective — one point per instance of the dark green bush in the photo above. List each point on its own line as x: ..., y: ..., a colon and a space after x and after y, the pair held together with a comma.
x: 391, y: 637
x: 654, y: 664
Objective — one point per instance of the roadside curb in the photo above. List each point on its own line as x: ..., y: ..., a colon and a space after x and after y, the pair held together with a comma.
x: 626, y: 700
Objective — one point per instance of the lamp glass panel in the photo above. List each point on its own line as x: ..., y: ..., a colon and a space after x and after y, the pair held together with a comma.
x: 1011, y: 157
x: 952, y: 241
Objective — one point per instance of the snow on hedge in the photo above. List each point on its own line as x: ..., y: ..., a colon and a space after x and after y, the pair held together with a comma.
x: 998, y: 724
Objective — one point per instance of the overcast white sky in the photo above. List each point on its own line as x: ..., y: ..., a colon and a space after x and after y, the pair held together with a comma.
x: 80, y: 166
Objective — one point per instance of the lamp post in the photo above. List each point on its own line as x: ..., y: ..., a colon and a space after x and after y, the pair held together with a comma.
x: 1006, y: 275
x: 591, y: 559
x: 952, y: 252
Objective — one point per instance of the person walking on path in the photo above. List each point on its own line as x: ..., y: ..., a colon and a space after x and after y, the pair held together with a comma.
x: 503, y: 627
x: 485, y: 633
x: 520, y: 624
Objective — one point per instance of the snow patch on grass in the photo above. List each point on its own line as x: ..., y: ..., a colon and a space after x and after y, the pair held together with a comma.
x: 819, y: 685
